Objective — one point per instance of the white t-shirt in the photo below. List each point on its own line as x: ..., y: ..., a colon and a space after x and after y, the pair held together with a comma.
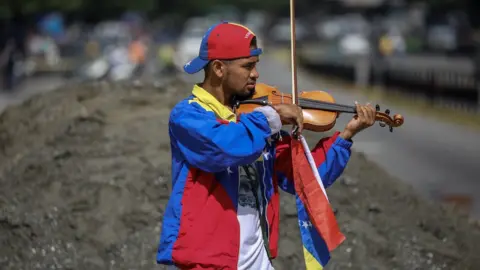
x: 252, y: 254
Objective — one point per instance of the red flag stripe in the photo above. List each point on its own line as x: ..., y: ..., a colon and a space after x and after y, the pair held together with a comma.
x: 312, y: 196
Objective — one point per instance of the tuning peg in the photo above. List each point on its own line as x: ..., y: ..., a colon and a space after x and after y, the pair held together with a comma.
x: 377, y: 107
x: 387, y: 111
x: 382, y: 124
x: 391, y: 129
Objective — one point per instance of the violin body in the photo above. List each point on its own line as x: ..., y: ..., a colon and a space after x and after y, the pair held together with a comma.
x: 313, y: 119
x: 320, y: 111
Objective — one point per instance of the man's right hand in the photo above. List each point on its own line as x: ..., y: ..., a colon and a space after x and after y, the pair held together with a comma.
x: 291, y: 114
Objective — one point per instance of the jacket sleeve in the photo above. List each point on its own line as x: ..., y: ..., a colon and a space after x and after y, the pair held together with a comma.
x: 212, y: 145
x: 331, y: 155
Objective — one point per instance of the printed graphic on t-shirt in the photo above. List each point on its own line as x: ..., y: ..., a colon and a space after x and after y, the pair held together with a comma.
x: 247, y: 178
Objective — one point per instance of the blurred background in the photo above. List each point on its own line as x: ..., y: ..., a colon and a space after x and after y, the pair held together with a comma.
x: 428, y: 47
x: 420, y: 59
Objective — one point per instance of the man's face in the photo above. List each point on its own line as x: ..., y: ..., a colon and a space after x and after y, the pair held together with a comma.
x: 241, y: 76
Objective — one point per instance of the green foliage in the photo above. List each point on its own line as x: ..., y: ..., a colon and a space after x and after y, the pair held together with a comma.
x: 156, y: 7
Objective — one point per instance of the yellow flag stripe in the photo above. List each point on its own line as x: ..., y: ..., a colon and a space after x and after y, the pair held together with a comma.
x: 310, y: 262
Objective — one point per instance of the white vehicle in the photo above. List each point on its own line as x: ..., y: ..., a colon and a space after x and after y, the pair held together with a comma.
x: 188, y: 44
x: 95, y: 70
x: 281, y: 32
x: 188, y: 47
x: 354, y: 44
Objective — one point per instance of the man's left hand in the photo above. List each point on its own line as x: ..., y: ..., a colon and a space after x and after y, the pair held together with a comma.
x: 364, y: 118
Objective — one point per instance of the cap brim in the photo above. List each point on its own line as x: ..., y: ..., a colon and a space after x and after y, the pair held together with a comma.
x: 195, y: 65
x: 256, y: 52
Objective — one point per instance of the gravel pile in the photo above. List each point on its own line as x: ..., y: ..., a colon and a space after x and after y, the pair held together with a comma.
x: 85, y: 174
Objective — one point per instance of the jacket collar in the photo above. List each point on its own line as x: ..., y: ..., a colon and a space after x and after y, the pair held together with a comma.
x: 209, y: 102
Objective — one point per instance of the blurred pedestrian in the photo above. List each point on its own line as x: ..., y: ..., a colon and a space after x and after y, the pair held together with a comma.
x: 226, y: 169
x: 15, y: 51
x: 165, y: 57
x: 92, y: 49
x: 137, y: 52
x: 476, y: 64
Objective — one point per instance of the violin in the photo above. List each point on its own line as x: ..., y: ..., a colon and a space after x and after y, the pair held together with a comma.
x: 320, y: 111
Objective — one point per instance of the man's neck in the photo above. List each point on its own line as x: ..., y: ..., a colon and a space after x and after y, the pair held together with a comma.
x: 218, y: 92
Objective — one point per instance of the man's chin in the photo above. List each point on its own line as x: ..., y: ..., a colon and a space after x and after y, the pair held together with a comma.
x: 246, y: 94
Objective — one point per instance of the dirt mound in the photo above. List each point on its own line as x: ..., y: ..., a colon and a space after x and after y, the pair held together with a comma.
x: 85, y: 173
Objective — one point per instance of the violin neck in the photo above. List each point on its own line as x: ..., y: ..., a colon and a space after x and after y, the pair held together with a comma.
x: 325, y: 106
x: 305, y: 103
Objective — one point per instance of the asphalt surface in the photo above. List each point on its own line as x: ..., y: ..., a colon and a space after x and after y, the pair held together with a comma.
x: 29, y: 88
x: 438, y: 159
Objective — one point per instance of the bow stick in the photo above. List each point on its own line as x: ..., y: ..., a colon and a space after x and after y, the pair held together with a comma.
x: 292, y: 52
x: 292, y: 57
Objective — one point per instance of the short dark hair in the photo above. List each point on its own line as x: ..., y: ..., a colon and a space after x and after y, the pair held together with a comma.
x: 253, y: 42
x: 207, y: 67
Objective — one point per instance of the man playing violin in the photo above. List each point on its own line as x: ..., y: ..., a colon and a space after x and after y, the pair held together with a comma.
x: 223, y: 212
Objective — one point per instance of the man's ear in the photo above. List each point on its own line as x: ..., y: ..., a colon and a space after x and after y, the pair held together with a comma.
x: 219, y: 68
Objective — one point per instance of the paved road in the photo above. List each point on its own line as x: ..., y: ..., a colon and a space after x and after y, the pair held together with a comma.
x: 29, y: 88
x: 436, y: 158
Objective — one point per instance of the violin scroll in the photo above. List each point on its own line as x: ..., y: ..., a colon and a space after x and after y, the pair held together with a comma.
x: 386, y: 120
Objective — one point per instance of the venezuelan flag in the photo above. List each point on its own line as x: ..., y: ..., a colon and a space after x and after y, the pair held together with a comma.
x: 318, y: 226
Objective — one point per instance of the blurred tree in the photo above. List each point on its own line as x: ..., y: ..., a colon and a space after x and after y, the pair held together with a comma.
x: 102, y: 8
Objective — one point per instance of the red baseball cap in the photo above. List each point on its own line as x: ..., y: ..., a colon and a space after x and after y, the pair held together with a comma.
x: 223, y: 41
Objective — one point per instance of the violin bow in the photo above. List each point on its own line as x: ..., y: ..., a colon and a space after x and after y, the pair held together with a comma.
x: 292, y: 56
x: 293, y: 52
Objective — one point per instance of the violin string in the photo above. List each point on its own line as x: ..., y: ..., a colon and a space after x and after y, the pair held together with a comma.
x: 331, y: 105
x: 310, y: 101
x: 326, y: 105
x: 334, y: 107
x: 313, y: 105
